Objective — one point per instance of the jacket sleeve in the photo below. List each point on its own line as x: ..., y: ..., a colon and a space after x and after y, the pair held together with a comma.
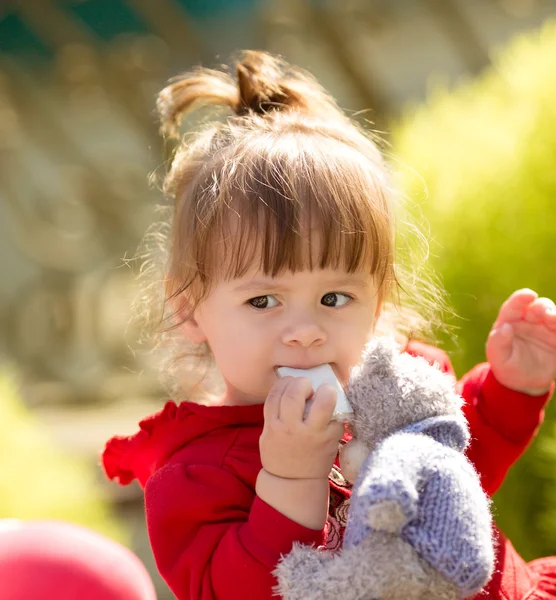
x: 212, y: 538
x: 502, y: 422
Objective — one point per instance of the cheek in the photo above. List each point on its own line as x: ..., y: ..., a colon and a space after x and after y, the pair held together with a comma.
x: 353, y: 342
x: 238, y: 344
x: 245, y: 361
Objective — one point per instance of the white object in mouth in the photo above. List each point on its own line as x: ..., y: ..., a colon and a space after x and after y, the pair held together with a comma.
x: 317, y: 376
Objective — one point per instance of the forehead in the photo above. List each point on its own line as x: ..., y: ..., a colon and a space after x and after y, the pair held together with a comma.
x: 273, y: 250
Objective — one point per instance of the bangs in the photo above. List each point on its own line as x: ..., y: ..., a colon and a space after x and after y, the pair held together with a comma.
x: 296, y: 208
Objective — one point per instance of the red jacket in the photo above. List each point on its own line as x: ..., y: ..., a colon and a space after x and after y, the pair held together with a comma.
x: 214, y: 539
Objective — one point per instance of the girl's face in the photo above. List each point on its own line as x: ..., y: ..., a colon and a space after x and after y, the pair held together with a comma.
x: 256, y: 323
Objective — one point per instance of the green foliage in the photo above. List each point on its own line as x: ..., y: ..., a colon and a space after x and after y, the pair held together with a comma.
x: 484, y: 174
x: 38, y: 480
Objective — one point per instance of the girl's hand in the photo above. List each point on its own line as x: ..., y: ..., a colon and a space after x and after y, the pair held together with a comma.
x: 293, y: 447
x: 521, y: 347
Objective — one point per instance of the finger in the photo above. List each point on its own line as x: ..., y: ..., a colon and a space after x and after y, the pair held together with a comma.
x: 536, y: 311
x: 550, y: 318
x: 500, y: 344
x: 322, y: 407
x: 294, y: 398
x: 272, y: 402
x: 514, y: 307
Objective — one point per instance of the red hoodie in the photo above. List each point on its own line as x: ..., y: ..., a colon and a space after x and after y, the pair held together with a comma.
x: 214, y: 539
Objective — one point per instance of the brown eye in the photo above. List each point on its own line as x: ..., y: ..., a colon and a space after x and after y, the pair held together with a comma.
x: 262, y: 302
x: 335, y: 299
x: 259, y: 302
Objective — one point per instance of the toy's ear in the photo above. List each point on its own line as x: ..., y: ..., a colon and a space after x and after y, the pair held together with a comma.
x: 448, y: 430
x: 185, y: 316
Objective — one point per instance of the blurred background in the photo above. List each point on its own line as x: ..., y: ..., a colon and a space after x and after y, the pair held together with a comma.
x: 464, y: 93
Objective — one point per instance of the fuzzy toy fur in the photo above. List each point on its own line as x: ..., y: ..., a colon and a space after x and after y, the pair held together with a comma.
x: 419, y: 525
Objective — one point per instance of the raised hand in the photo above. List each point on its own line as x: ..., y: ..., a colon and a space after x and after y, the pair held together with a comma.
x: 521, y: 347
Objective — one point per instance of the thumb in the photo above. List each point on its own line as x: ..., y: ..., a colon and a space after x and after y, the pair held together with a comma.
x: 500, y: 344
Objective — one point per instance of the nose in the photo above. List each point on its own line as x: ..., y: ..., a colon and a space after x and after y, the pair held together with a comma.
x: 305, y: 331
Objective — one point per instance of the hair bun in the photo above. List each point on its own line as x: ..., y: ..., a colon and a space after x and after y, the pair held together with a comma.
x: 268, y: 83
x: 261, y: 82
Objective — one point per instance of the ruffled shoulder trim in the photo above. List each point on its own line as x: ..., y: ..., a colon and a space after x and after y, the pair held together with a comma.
x: 137, y: 456
x: 120, y: 453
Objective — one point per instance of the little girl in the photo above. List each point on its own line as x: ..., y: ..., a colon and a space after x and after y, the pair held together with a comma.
x: 281, y: 253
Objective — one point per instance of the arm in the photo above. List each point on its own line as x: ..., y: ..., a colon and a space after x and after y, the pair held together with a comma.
x: 304, y: 501
x: 502, y: 422
x: 212, y: 538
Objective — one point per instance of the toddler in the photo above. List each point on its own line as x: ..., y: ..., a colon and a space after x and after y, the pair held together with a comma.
x: 281, y: 252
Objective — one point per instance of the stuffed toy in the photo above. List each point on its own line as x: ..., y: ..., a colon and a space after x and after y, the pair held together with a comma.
x: 419, y: 524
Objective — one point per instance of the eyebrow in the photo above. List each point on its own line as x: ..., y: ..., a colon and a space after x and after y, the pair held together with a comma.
x: 265, y: 284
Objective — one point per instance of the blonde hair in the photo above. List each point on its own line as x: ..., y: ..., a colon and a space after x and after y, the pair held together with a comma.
x: 256, y: 187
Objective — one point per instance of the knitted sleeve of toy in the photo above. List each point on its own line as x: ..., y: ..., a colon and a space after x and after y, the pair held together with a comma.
x: 446, y: 514
x: 212, y: 538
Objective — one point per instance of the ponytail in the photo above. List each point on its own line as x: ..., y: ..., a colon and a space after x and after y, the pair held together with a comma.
x: 263, y: 84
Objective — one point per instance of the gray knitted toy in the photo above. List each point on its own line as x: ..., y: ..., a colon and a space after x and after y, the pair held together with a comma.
x: 419, y: 524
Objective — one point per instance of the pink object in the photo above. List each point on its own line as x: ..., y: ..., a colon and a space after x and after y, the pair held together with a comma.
x: 53, y: 560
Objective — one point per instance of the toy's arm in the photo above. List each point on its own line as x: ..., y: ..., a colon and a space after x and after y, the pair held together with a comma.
x: 430, y: 495
x: 453, y: 531
x: 385, y: 495
x: 393, y: 476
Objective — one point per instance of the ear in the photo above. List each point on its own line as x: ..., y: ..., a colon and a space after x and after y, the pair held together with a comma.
x: 186, y: 317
